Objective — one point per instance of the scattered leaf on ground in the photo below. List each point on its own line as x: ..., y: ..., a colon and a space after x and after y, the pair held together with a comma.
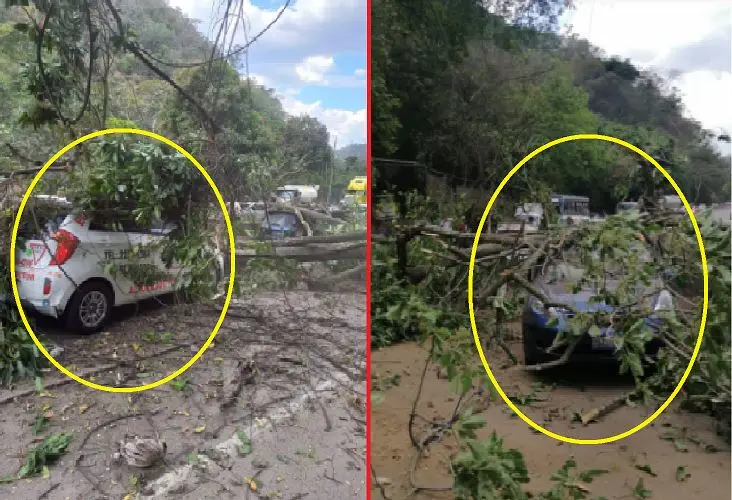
x: 681, y: 474
x: 245, y: 447
x: 640, y: 491
x: 646, y: 468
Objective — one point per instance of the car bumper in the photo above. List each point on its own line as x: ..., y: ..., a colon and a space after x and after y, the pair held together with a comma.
x: 538, y: 339
x: 32, y: 296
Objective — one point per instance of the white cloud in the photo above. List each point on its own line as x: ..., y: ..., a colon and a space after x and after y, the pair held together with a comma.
x: 361, y: 73
x: 258, y: 79
x: 306, y: 27
x: 313, y: 69
x: 345, y: 126
x: 283, y: 57
x: 685, y: 37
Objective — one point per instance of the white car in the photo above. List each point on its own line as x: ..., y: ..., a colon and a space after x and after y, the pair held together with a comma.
x: 64, y: 271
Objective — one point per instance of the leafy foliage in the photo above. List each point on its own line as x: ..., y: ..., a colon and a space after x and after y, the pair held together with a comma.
x: 468, y: 94
x: 46, y: 453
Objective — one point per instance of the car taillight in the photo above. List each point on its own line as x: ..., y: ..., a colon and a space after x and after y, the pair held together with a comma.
x: 67, y: 244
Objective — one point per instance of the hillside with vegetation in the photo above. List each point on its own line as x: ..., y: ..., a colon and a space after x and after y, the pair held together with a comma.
x: 125, y: 91
x: 352, y: 150
x: 471, y: 98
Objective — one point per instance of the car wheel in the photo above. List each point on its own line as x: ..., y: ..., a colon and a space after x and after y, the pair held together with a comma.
x: 531, y: 354
x: 531, y: 357
x: 89, y: 308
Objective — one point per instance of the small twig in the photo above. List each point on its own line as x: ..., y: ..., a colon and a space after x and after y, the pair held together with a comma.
x: 557, y: 362
x: 378, y: 483
x: 417, y: 397
x: 597, y: 413
x: 49, y: 490
x: 56, y: 383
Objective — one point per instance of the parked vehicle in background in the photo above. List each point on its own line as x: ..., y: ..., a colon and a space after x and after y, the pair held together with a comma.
x: 626, y: 206
x: 297, y: 194
x: 571, y: 209
x: 355, y: 193
x: 527, y: 216
x: 255, y: 210
x: 76, y: 268
x: 671, y: 202
x: 284, y: 222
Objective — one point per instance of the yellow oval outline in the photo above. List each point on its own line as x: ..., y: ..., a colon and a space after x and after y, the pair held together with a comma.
x: 232, y: 273
x: 705, y: 270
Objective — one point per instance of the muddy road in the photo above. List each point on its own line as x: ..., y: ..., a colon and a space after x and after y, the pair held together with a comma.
x: 275, y: 408
x: 675, y: 439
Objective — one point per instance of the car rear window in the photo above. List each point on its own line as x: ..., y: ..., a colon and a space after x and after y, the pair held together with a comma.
x: 39, y: 222
x: 117, y: 222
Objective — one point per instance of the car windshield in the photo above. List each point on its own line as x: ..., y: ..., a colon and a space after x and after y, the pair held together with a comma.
x: 570, y: 268
x: 281, y: 220
x: 562, y: 271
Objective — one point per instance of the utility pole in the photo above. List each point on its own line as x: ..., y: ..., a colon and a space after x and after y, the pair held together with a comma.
x: 332, y: 168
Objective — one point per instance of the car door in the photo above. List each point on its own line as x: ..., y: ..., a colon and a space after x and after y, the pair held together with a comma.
x: 112, y: 247
x: 146, y: 245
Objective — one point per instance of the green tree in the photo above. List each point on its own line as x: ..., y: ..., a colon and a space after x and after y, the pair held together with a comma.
x: 306, y: 143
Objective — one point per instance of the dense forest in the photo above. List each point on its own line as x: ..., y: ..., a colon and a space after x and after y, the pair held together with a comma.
x: 468, y: 94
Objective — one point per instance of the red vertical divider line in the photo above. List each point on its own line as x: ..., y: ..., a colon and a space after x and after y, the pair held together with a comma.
x: 368, y: 249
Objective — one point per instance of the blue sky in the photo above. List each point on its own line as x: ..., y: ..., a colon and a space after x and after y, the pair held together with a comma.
x: 314, y: 57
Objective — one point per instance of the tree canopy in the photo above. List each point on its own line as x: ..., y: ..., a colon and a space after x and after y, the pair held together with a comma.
x: 467, y: 93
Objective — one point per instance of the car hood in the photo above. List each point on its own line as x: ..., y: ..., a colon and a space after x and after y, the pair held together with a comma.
x: 562, y: 293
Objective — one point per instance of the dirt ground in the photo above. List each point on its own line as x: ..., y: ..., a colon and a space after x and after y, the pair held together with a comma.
x: 653, y: 454
x: 303, y: 410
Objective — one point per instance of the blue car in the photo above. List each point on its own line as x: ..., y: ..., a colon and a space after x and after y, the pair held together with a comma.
x: 280, y: 225
x: 540, y: 324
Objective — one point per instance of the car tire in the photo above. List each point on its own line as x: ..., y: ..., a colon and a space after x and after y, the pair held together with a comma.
x: 93, y: 294
x: 530, y: 355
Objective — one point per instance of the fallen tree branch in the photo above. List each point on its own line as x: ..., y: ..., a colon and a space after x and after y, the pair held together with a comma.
x: 597, y: 413
x: 349, y: 274
x: 557, y: 362
x: 57, y: 383
x: 356, y: 251
x: 313, y: 240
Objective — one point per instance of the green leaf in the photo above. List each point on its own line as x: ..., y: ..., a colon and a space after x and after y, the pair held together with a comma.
x: 681, y: 474
x: 245, y: 448
x: 681, y: 446
x: 594, y: 331
x: 588, y: 475
x: 646, y: 468
x: 640, y: 491
x: 377, y: 397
